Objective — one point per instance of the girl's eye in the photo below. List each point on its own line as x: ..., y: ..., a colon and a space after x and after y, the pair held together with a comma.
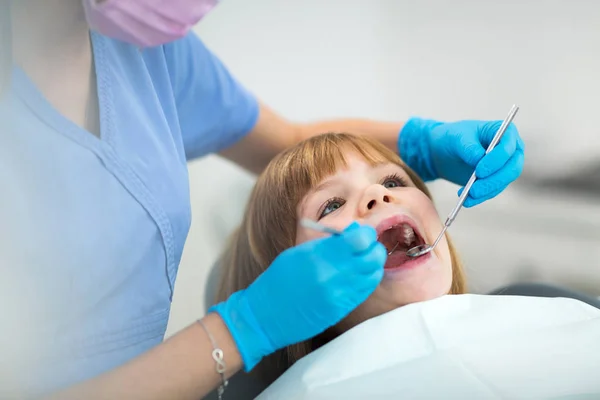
x: 393, y: 181
x: 330, y: 206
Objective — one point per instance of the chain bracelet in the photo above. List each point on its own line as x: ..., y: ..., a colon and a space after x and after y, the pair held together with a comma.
x: 218, y: 356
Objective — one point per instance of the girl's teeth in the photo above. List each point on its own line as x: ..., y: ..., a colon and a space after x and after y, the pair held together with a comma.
x: 409, y: 234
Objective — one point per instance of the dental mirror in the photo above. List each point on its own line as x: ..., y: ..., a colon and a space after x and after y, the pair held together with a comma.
x: 423, y: 249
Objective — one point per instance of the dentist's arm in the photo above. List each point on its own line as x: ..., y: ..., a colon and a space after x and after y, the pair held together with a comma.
x: 433, y: 149
x: 315, y: 285
x: 272, y: 134
x: 180, y: 368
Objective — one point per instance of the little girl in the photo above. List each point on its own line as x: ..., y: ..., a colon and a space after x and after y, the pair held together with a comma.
x: 337, y: 179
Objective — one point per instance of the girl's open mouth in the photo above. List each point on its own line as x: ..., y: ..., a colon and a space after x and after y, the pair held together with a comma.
x: 398, y: 239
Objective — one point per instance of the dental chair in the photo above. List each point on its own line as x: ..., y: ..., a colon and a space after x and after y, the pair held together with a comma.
x: 544, y: 290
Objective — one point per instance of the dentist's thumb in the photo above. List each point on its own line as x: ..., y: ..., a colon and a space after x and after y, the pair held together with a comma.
x: 360, y: 238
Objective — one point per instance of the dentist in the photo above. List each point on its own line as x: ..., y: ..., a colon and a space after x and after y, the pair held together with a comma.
x: 103, y: 102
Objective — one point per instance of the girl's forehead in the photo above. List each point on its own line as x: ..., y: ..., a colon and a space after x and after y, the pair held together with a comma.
x: 343, y: 160
x: 354, y: 164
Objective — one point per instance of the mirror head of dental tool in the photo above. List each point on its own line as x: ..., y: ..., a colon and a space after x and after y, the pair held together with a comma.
x: 423, y: 249
x: 419, y: 250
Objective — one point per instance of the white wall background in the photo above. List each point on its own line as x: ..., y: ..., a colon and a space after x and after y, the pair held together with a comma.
x: 391, y: 59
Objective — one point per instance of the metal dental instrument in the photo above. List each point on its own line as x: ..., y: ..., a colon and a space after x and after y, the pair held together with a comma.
x: 315, y: 226
x: 423, y: 249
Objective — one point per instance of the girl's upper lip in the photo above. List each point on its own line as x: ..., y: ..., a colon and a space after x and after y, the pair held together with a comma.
x: 394, y: 221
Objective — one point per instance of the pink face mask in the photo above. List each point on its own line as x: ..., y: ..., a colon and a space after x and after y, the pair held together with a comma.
x: 145, y: 23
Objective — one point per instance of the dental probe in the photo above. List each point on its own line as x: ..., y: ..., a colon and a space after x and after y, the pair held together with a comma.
x: 315, y: 226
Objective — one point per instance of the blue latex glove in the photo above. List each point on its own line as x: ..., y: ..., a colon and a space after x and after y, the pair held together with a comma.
x: 306, y: 290
x: 452, y: 151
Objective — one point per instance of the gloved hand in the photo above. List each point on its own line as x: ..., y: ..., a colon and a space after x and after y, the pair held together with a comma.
x: 452, y: 151
x: 307, y: 289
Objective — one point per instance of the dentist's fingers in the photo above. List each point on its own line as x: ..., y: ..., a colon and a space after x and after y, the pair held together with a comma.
x: 500, y: 155
x: 359, y: 238
x: 488, y: 188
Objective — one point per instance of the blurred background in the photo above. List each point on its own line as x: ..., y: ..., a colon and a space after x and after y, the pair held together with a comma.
x: 392, y: 59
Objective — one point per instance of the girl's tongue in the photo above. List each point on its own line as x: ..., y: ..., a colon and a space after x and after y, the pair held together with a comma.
x: 397, y: 259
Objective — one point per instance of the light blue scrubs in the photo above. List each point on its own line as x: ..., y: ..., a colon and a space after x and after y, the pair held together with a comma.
x: 93, y: 228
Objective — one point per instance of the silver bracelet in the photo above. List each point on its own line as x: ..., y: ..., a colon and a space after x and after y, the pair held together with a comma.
x: 217, y: 355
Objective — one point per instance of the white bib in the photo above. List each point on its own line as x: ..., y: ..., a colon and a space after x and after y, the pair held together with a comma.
x: 458, y: 347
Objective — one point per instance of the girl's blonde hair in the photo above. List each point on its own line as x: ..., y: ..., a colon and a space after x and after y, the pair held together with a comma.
x: 270, y: 220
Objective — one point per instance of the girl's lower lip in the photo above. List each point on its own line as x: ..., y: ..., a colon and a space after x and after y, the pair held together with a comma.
x: 409, y: 264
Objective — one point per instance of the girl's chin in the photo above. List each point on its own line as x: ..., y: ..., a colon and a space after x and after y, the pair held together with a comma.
x: 400, y: 295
